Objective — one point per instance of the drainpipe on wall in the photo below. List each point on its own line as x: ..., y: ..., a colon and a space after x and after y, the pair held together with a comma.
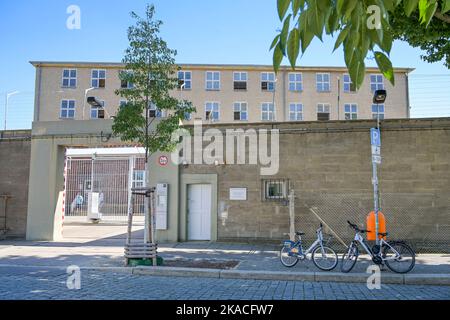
x: 37, y: 102
x: 408, y: 107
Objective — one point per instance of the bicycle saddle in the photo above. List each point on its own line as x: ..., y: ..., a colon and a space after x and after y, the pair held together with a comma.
x: 300, y: 233
x: 385, y: 234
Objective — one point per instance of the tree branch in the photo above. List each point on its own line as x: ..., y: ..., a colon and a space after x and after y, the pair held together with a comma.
x: 442, y: 16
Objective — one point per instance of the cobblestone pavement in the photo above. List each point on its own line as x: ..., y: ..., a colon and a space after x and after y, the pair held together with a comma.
x: 40, y: 283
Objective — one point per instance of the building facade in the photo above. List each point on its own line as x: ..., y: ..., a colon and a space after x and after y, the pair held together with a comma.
x: 225, y: 93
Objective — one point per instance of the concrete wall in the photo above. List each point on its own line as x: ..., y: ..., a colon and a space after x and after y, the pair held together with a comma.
x: 329, y: 167
x: 49, y: 91
x: 14, y: 171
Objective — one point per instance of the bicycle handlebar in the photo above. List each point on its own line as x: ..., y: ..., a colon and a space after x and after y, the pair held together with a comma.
x: 356, y: 228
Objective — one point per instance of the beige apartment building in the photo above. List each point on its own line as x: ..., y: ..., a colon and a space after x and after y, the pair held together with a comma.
x: 225, y: 93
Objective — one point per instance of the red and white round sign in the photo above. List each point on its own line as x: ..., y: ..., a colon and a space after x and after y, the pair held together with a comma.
x: 163, y: 161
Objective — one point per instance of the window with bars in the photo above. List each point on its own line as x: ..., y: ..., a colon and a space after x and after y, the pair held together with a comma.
x: 275, y: 189
x: 69, y: 78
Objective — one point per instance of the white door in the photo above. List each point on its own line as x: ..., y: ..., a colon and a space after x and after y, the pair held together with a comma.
x: 199, y: 212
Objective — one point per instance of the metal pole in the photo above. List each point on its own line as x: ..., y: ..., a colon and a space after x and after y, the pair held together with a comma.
x: 6, y: 109
x: 292, y: 215
x: 375, y: 184
x: 339, y: 98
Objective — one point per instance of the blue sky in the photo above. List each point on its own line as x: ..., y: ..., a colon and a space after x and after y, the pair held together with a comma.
x: 202, y: 31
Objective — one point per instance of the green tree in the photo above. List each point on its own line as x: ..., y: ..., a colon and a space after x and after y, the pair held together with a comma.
x: 363, y: 27
x: 151, y: 71
x: 434, y: 40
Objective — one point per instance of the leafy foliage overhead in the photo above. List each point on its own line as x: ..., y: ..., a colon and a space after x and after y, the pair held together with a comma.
x: 362, y: 27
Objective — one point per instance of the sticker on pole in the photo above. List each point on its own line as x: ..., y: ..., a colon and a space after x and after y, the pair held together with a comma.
x: 163, y: 161
x: 375, y: 137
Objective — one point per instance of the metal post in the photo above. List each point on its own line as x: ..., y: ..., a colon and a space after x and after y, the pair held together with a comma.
x: 146, y: 208
x: 6, y: 110
x: 339, y: 99
x: 292, y: 215
x: 375, y: 182
x: 152, y: 222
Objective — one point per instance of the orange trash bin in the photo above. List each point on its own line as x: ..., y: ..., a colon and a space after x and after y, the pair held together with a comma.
x: 371, y: 225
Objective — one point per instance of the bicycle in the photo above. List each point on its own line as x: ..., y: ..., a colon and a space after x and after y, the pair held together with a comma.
x: 323, y: 257
x: 394, y: 254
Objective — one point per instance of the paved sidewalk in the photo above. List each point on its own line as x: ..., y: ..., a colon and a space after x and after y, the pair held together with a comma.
x: 107, y: 252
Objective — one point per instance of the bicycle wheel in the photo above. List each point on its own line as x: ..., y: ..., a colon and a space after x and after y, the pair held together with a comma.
x: 286, y: 259
x: 324, y: 258
x: 349, y: 258
x: 399, y: 257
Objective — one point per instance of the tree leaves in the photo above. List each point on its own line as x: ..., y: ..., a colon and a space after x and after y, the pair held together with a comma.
x: 445, y: 6
x: 410, y: 6
x: 283, y: 6
x: 385, y: 66
x: 360, y: 29
x: 293, y: 49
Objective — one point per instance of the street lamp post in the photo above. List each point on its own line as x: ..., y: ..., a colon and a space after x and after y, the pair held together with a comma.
x: 378, y: 98
x: 8, y: 95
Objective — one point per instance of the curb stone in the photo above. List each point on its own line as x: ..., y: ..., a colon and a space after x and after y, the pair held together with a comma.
x: 387, y: 278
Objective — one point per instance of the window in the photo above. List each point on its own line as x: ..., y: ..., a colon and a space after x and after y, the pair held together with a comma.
x: 295, y: 82
x: 212, y: 111
x: 240, y: 111
x: 323, y: 112
x: 124, y: 84
x: 98, y: 113
x: 138, y: 178
x: 267, y: 112
x: 348, y: 84
x: 69, y: 79
x: 240, y: 80
x: 323, y: 82
x: 378, y: 109
x: 98, y: 79
x: 187, y: 116
x: 212, y: 80
x: 295, y: 112
x: 122, y: 103
x: 376, y: 82
x: 275, y: 190
x: 67, y: 109
x: 351, y: 111
x: 267, y: 81
x: 184, y: 80
x: 155, y: 112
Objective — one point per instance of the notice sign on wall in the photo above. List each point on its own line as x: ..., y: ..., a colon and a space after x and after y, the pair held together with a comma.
x: 238, y: 194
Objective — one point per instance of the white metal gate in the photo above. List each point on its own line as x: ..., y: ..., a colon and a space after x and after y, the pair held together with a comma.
x: 112, y: 178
